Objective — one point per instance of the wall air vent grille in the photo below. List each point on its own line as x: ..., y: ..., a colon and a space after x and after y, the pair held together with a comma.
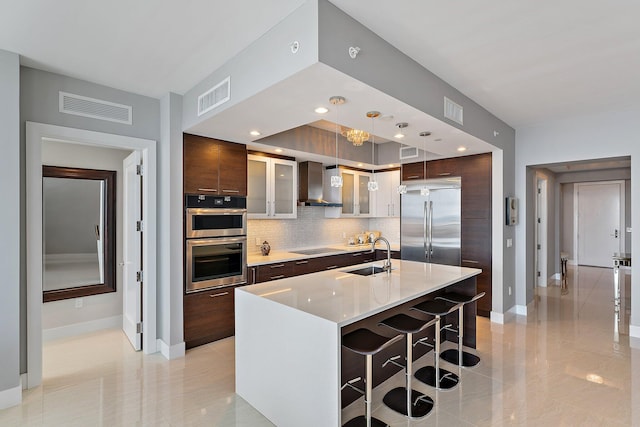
x: 408, y: 153
x: 95, y: 108
x: 217, y: 95
x: 452, y: 110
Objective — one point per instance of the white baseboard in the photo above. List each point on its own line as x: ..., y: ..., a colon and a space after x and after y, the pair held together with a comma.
x: 175, y: 351
x: 24, y: 380
x: 555, y: 277
x: 496, y: 317
x: 520, y: 310
x: 11, y: 396
x: 502, y: 318
x: 634, y: 331
x: 81, y: 328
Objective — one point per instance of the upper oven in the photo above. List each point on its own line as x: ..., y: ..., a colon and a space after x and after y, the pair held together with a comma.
x: 213, y: 216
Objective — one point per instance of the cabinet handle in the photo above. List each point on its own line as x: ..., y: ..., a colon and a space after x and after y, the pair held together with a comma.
x: 254, y: 275
x: 368, y: 260
x: 230, y: 191
x: 444, y: 174
x: 332, y: 267
x: 358, y: 254
x: 208, y: 189
x: 470, y: 261
x: 302, y: 262
x: 276, y: 266
x: 279, y: 276
x: 221, y: 294
x: 413, y: 176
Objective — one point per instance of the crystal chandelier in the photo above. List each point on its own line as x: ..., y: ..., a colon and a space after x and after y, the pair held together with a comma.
x: 356, y: 136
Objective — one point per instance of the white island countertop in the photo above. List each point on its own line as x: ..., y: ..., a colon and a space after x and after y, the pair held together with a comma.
x: 343, y: 298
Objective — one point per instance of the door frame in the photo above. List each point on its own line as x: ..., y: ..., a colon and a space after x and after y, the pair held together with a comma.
x: 576, y: 201
x: 35, y: 134
x: 541, y: 231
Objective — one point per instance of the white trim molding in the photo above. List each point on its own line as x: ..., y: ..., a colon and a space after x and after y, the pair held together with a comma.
x: 11, y: 396
x: 171, y: 352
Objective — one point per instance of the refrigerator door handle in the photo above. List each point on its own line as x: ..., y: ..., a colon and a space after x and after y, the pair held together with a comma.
x: 430, y: 230
x: 425, y: 231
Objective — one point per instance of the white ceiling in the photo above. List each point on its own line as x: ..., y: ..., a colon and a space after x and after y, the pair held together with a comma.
x: 525, y: 61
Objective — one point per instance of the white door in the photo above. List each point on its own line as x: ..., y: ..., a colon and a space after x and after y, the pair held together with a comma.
x: 132, y: 251
x: 541, y: 232
x: 599, y: 222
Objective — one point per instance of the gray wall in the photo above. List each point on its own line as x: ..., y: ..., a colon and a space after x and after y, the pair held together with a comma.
x: 39, y: 103
x: 10, y: 219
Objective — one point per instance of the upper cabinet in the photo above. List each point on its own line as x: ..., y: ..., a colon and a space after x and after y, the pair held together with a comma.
x: 214, y: 167
x: 272, y: 188
x: 387, y: 199
x: 413, y: 171
x: 443, y: 168
x: 354, y: 193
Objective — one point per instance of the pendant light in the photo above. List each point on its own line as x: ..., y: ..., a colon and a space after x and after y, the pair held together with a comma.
x: 372, y: 185
x: 336, y: 180
x: 402, y: 189
x: 424, y: 191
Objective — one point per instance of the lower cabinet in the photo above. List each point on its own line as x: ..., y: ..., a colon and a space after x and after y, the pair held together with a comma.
x: 208, y: 316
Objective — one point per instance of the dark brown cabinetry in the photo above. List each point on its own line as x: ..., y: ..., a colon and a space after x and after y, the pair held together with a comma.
x: 214, y: 167
x: 208, y: 316
x: 475, y: 172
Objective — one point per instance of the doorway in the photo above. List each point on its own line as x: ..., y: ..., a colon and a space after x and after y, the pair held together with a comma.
x: 36, y: 133
x: 541, y: 231
x: 599, y: 220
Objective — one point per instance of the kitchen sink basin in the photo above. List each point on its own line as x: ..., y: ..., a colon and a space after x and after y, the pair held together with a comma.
x: 366, y: 271
x: 315, y: 251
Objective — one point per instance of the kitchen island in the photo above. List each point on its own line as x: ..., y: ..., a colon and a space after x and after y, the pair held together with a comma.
x: 289, y: 360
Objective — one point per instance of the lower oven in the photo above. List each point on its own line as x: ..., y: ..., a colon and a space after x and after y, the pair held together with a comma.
x: 215, y: 262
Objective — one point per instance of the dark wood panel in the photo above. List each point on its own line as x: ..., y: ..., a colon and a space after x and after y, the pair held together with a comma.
x: 442, y: 168
x: 476, y: 241
x: 200, y: 165
x: 274, y: 271
x: 233, y: 169
x: 412, y: 171
x: 208, y: 316
x: 476, y: 185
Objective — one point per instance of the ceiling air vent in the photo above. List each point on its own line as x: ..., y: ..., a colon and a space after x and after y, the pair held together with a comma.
x: 217, y: 95
x: 94, y: 108
x: 408, y: 153
x: 452, y: 110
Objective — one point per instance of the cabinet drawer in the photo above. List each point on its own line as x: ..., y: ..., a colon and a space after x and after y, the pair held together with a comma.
x: 275, y: 271
x: 208, y: 316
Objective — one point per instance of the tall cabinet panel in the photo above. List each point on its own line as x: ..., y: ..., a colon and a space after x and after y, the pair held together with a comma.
x: 387, y: 199
x: 272, y: 188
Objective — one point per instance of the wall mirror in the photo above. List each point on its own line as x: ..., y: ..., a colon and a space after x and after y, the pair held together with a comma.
x: 78, y: 232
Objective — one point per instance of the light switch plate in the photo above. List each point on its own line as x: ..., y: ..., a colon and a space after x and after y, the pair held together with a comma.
x: 509, y: 243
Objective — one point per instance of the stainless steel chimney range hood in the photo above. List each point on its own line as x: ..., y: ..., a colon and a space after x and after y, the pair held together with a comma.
x: 311, y: 183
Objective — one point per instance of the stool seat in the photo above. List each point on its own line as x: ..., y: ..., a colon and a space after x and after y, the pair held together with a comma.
x: 363, y: 341
x: 457, y: 298
x: 435, y: 307
x: 406, y: 324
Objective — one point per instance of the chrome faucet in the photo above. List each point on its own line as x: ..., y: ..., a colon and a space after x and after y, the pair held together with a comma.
x: 387, y: 264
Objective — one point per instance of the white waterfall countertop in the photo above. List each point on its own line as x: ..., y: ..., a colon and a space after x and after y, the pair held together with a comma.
x: 343, y: 298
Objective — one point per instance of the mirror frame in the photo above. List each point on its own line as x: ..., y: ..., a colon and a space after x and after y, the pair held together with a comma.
x: 109, y: 232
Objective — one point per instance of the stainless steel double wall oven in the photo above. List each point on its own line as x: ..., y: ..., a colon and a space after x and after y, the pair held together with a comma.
x: 216, y: 241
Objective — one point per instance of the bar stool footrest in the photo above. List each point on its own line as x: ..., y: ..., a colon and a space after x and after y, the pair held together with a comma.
x: 427, y: 375
x: 468, y: 359
x: 396, y: 399
x: 361, y: 421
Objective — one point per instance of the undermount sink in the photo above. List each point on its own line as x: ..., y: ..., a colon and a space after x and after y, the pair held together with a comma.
x: 366, y: 271
x: 315, y: 251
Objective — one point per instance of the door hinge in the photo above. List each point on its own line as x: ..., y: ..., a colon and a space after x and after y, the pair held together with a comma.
x: 139, y: 328
x: 539, y: 191
x: 538, y: 274
x: 539, y: 222
x: 139, y: 226
x: 139, y: 276
x: 539, y: 247
x: 139, y: 170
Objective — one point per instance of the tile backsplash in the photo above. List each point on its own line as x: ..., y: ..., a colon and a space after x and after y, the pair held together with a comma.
x: 311, y: 228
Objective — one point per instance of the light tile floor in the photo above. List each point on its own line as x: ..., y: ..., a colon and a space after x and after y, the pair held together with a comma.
x: 562, y: 365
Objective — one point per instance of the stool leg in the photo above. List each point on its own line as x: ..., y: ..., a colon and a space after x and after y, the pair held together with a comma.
x: 409, y: 372
x: 368, y: 388
x: 460, y: 333
x: 436, y: 351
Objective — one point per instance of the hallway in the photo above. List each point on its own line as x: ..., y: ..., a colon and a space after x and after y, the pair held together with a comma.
x: 560, y: 366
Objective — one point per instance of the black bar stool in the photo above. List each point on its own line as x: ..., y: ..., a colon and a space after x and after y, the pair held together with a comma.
x: 367, y: 343
x: 455, y: 355
x: 405, y: 400
x: 434, y: 376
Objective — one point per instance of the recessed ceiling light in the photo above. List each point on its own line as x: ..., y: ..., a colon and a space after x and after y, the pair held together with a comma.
x: 254, y: 133
x: 461, y: 149
x: 321, y: 110
x: 278, y: 150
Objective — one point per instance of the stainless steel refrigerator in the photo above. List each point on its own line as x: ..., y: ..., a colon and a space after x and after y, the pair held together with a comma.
x: 430, y: 221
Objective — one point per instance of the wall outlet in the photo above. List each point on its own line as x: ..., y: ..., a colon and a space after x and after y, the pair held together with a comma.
x: 79, y: 302
x: 509, y: 290
x: 258, y: 241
